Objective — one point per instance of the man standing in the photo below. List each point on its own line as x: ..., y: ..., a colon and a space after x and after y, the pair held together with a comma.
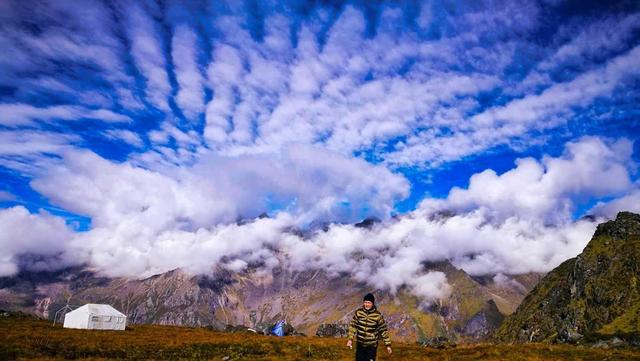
x: 367, y: 326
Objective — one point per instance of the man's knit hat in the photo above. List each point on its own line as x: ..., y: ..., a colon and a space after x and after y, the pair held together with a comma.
x: 369, y: 297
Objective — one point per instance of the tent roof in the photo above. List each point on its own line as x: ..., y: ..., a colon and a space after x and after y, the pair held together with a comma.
x: 99, y: 309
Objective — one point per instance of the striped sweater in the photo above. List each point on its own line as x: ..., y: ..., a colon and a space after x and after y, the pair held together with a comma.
x: 368, y: 326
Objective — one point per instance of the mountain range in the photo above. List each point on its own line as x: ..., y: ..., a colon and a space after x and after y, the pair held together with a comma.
x: 590, y: 296
x: 306, y: 300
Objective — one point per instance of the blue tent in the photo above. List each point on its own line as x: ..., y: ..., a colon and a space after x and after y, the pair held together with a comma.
x: 278, y: 329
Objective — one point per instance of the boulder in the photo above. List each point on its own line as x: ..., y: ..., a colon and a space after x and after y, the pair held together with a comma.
x: 332, y: 330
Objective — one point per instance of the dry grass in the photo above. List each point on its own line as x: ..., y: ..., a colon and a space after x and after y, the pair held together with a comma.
x: 28, y: 338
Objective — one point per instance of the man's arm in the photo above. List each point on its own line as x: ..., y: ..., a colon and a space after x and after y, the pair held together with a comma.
x: 352, y: 329
x: 383, y: 332
x: 352, y: 326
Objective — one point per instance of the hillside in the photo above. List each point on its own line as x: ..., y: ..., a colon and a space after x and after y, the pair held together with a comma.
x: 595, y: 295
x: 306, y: 299
x: 29, y: 338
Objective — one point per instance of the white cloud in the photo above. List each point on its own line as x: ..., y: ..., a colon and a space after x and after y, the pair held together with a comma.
x: 25, y: 151
x: 311, y: 183
x: 136, y: 249
x: 392, y: 254
x: 431, y: 286
x: 45, y: 243
x: 17, y: 114
x: 190, y: 96
x: 25, y: 143
x: 226, y: 66
x: 629, y: 202
x: 546, y: 190
x: 147, y: 53
x: 125, y: 136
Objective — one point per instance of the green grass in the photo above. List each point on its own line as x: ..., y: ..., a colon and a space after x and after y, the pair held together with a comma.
x: 23, y: 337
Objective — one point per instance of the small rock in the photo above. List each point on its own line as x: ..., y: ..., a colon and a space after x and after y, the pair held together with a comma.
x: 600, y: 344
x: 567, y: 334
x: 617, y: 342
x: 226, y: 358
x: 439, y: 342
x: 238, y: 328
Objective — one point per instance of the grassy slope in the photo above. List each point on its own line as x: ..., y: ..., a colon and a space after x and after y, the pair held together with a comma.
x: 28, y: 338
x: 533, y: 309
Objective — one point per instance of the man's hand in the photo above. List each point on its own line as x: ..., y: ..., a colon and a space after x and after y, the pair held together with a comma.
x: 349, y: 344
x: 389, y: 350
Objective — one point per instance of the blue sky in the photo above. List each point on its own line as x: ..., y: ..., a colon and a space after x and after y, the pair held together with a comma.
x: 323, y: 111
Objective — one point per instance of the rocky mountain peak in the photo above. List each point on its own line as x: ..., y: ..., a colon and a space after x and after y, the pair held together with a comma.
x: 593, y: 294
x: 626, y: 224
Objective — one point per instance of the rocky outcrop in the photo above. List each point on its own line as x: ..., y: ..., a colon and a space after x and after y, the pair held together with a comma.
x: 333, y: 330
x: 480, y: 326
x: 595, y: 295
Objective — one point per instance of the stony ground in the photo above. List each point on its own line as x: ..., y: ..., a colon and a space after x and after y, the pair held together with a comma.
x: 29, y: 338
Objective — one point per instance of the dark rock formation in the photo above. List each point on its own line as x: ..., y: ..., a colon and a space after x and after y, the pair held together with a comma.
x: 439, y: 342
x: 238, y: 329
x: 484, y: 322
x: 333, y: 330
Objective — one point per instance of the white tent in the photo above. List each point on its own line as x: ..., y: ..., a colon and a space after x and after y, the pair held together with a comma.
x: 95, y: 317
